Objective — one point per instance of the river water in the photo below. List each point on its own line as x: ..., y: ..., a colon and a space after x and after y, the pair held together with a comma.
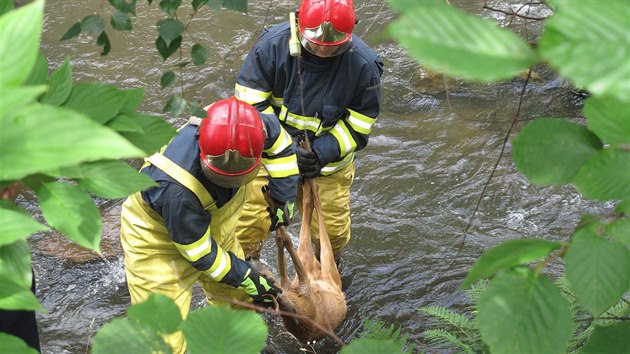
x: 418, y: 185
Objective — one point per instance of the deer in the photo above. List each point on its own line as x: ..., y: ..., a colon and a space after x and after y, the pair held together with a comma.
x: 315, y: 294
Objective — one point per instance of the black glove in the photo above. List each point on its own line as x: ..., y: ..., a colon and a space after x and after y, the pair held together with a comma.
x: 281, y: 214
x: 259, y: 287
x: 308, y: 163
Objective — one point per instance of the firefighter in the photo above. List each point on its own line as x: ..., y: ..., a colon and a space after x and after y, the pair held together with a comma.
x: 318, y: 78
x: 181, y: 232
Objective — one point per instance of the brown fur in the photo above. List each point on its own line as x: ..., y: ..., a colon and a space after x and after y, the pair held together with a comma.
x: 316, y: 290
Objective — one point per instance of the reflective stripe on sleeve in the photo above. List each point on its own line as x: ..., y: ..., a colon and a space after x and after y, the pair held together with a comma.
x: 337, y: 165
x: 343, y: 136
x: 281, y: 167
x: 360, y: 123
x: 299, y: 122
x: 221, y: 266
x: 250, y: 95
x: 284, y: 140
x: 194, y: 251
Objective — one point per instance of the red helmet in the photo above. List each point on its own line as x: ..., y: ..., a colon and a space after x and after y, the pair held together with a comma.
x: 327, y: 25
x: 231, y: 142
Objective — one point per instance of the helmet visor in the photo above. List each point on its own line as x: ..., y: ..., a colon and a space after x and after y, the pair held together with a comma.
x: 230, y: 169
x: 323, y: 51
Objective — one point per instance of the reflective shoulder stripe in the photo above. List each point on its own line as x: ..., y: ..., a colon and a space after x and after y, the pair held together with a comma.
x: 196, y: 250
x: 250, y: 95
x: 221, y: 266
x: 281, y: 167
x: 360, y: 123
x: 345, y: 139
x: 182, y: 176
x: 284, y: 140
x: 338, y: 165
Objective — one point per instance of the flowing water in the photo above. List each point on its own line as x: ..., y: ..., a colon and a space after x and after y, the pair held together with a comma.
x: 418, y: 182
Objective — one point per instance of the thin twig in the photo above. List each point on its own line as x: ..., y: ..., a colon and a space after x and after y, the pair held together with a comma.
x: 496, y: 164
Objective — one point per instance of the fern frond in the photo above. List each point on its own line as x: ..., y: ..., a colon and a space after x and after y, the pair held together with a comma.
x: 450, y: 317
x: 442, y: 336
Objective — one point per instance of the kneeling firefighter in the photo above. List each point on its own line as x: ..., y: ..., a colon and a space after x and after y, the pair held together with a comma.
x: 181, y: 232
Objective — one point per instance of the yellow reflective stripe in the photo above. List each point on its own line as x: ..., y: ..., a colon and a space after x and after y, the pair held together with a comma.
x: 360, y: 123
x: 300, y: 122
x: 250, y: 95
x: 268, y: 110
x: 284, y: 140
x: 194, y: 251
x: 276, y: 101
x: 183, y: 177
x: 343, y: 136
x: 281, y: 167
x: 337, y: 165
x: 221, y: 266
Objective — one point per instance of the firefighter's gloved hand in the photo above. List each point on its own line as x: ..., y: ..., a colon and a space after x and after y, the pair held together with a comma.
x: 281, y: 214
x: 259, y: 288
x: 308, y: 163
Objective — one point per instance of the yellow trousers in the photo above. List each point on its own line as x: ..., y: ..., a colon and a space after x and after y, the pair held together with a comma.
x: 154, y: 265
x: 334, y: 191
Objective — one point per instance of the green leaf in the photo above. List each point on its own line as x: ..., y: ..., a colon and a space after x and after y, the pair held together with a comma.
x: 72, y: 32
x: 618, y: 230
x: 121, y: 21
x: 170, y: 6
x: 12, y: 98
x: 462, y: 45
x: 175, y: 105
x: 40, y: 138
x: 196, y: 4
x: 13, y: 344
x: 133, y: 99
x: 98, y: 101
x: 170, y: 29
x: 605, y: 176
x: 609, y: 339
x: 199, y: 54
x: 225, y: 330
x: 157, y: 133
x: 609, y: 118
x: 104, y: 41
x: 507, y: 255
x: 125, y: 335
x: 16, y: 223
x: 589, y: 44
x: 367, y: 345
x: 15, y: 263
x: 14, y: 296
x: 60, y: 85
x: 124, y: 123
x: 113, y: 179
x: 70, y: 210
x: 39, y: 74
x: 236, y: 5
x: 158, y: 312
x: 6, y: 6
x: 20, y: 32
x: 167, y: 50
x: 124, y: 6
x: 523, y: 313
x: 93, y: 25
x: 551, y: 151
x: 167, y: 79
x: 598, y: 270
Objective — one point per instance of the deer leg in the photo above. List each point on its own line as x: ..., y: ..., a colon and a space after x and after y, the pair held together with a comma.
x: 281, y: 236
x: 326, y: 255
